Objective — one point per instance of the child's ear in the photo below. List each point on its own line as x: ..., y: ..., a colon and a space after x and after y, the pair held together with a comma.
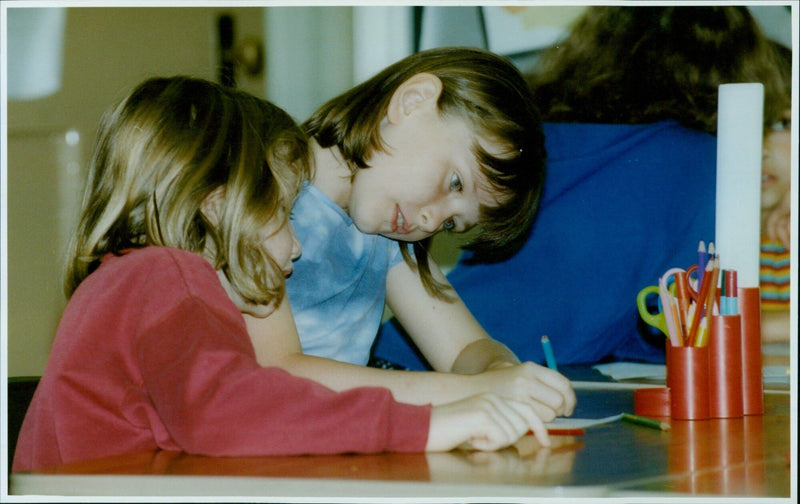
x: 213, y: 204
x: 420, y: 91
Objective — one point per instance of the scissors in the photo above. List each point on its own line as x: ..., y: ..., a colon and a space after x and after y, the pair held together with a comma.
x: 692, y: 282
x: 657, y: 319
x: 666, y: 318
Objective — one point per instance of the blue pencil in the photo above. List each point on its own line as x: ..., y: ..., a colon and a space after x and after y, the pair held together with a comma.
x: 702, y: 259
x: 548, y: 353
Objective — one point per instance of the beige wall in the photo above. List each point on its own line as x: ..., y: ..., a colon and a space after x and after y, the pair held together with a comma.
x: 107, y: 51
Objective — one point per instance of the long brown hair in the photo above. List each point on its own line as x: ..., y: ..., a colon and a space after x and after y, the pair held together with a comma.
x: 486, y: 91
x: 644, y: 64
x: 162, y: 151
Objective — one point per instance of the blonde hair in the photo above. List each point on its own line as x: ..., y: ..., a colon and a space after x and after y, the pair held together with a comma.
x: 162, y: 151
x: 490, y: 94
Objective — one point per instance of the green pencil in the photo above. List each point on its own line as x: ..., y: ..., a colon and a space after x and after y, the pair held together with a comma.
x: 647, y: 422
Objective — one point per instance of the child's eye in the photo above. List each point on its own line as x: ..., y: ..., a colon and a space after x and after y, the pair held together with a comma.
x: 784, y: 124
x: 449, y: 224
x: 455, y: 183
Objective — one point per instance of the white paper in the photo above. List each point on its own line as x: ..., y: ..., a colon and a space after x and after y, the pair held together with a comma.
x: 772, y: 375
x: 738, y: 205
x: 631, y: 370
x: 580, y: 423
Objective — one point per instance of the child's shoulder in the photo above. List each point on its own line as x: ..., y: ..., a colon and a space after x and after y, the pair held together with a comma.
x: 162, y: 277
x: 153, y: 256
x: 171, y: 268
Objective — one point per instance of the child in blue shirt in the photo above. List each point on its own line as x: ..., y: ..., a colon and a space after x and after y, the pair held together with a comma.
x: 446, y: 139
x: 630, y: 97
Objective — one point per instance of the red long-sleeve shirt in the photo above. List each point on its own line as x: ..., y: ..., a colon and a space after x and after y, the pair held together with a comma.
x: 150, y: 353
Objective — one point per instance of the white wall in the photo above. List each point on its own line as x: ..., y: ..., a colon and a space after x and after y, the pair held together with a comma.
x: 316, y: 53
x: 309, y: 56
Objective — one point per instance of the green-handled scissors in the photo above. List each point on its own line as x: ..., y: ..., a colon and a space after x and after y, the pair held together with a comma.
x: 666, y: 319
x: 657, y: 320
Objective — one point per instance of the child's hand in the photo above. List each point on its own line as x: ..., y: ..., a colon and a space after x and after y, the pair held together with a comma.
x: 547, y: 391
x: 484, y: 422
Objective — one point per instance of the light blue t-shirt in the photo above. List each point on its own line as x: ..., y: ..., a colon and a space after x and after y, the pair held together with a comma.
x: 338, y: 287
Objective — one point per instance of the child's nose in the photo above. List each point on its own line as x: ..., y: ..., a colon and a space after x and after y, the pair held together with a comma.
x: 429, y: 221
x: 426, y: 221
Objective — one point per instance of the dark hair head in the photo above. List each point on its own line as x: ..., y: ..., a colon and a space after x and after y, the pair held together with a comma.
x: 483, y: 89
x: 645, y: 64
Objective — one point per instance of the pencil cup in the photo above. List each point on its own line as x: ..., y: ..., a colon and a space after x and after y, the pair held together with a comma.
x: 752, y: 385
x: 725, y: 367
x: 687, y: 380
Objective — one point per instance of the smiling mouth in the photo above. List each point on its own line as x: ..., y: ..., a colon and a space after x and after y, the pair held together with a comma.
x: 399, y: 224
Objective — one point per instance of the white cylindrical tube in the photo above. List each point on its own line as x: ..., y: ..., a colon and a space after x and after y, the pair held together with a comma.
x: 738, y: 204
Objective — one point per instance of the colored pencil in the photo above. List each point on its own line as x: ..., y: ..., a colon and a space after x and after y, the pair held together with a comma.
x: 711, y: 296
x: 701, y: 296
x: 702, y: 333
x: 646, y: 422
x: 729, y: 281
x: 566, y: 432
x: 548, y: 353
x: 702, y: 259
x: 563, y: 432
x: 684, y: 301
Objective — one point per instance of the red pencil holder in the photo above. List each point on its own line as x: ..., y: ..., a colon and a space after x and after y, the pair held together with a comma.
x: 687, y: 380
x: 725, y: 367
x: 651, y: 402
x: 752, y: 384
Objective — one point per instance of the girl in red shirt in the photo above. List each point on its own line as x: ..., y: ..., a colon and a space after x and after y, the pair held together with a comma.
x: 185, y: 226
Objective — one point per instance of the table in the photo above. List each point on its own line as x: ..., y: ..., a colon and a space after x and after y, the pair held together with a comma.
x: 747, y: 456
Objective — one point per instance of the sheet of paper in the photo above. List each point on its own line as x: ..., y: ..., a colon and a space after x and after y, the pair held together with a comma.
x: 631, y: 370
x: 610, y: 385
x: 581, y: 423
x: 772, y: 375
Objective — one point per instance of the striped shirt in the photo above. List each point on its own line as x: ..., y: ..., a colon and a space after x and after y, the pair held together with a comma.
x: 774, y: 276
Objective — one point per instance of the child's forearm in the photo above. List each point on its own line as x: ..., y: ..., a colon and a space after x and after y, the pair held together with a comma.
x: 482, y: 355
x: 547, y: 391
x: 412, y: 387
x: 276, y: 344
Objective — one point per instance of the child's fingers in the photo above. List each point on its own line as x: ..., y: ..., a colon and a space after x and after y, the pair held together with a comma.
x: 510, y: 421
x: 532, y: 382
x: 558, y: 382
x: 533, y: 422
x: 484, y: 422
x: 510, y: 425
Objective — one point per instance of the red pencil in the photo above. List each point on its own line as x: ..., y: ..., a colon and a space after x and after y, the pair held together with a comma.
x: 684, y: 301
x: 563, y: 432
x: 566, y: 432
